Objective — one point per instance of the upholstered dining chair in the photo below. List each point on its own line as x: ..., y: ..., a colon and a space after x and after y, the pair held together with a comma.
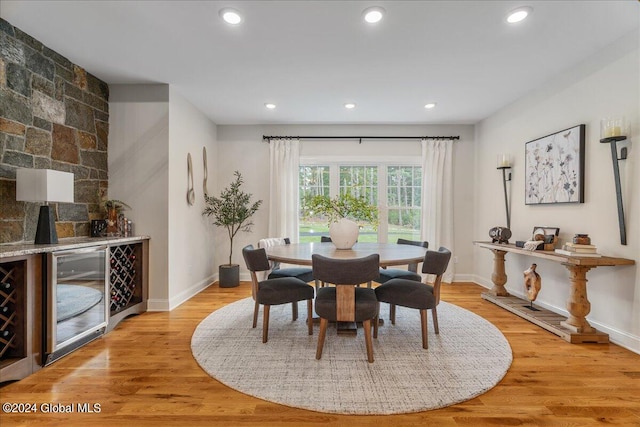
x: 303, y: 273
x: 345, y: 302
x: 411, y: 273
x: 276, y: 291
x: 418, y: 295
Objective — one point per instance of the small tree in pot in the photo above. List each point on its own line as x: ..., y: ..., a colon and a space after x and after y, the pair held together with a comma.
x: 232, y: 211
x: 341, y: 213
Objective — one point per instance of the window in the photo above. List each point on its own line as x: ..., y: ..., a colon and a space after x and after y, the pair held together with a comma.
x: 399, y: 212
x: 404, y: 185
x: 314, y: 181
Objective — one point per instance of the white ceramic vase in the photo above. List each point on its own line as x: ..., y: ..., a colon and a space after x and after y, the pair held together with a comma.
x: 344, y: 233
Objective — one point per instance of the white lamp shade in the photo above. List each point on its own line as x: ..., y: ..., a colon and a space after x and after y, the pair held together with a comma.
x: 44, y: 185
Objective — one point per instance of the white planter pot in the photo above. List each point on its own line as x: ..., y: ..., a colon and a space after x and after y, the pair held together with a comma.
x: 344, y: 233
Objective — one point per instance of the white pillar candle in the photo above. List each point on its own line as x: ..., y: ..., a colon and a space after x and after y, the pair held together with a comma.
x: 503, y: 161
x: 612, y: 127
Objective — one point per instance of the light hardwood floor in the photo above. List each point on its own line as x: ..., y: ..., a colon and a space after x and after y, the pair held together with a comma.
x: 142, y: 373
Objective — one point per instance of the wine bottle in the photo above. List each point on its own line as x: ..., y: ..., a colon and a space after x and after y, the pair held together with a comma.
x: 6, y: 287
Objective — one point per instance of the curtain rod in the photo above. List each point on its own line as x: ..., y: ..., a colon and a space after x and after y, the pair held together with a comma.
x: 360, y: 138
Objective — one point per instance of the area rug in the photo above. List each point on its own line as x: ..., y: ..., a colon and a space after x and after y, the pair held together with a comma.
x: 467, y: 358
x: 72, y: 300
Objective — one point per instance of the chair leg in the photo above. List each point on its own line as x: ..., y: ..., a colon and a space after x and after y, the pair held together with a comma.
x: 323, y: 332
x: 294, y: 311
x: 265, y: 323
x: 423, y: 323
x: 310, y: 316
x: 375, y: 327
x: 435, y: 320
x: 392, y: 313
x: 255, y: 314
x: 366, y: 325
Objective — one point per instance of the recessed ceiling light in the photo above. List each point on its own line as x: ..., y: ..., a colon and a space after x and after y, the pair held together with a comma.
x: 349, y: 105
x: 230, y: 16
x: 519, y: 14
x: 430, y: 105
x: 270, y: 106
x: 373, y: 14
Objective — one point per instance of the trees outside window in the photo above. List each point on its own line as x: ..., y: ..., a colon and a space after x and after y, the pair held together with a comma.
x: 399, y: 211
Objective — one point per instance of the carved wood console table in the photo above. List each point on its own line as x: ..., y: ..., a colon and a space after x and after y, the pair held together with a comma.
x: 575, y: 328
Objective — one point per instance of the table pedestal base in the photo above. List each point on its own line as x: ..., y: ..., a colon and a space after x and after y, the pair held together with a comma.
x: 347, y: 328
x: 577, y: 329
x: 552, y: 322
x: 498, y: 277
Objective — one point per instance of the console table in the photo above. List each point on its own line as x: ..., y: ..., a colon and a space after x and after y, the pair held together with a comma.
x: 575, y: 328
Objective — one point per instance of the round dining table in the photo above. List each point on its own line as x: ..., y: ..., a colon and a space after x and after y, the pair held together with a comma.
x: 390, y: 253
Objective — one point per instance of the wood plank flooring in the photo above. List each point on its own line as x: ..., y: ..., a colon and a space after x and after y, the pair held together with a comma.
x: 142, y: 374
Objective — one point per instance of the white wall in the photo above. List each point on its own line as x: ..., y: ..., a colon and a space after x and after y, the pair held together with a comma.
x: 139, y: 171
x: 151, y: 130
x: 608, y: 84
x: 147, y: 164
x: 191, y: 249
x: 241, y: 148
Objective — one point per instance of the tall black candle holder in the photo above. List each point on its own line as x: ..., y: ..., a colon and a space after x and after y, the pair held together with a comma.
x: 613, y: 140
x: 506, y: 176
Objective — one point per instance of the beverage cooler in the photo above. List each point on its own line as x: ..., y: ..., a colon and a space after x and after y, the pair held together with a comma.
x: 77, y: 300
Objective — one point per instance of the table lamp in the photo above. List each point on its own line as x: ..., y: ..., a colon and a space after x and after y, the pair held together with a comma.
x: 44, y: 185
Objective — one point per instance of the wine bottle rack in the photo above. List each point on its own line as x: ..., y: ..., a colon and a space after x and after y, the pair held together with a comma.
x: 124, y: 277
x: 11, y: 310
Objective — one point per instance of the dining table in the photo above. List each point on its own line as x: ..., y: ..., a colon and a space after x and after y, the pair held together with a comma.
x: 391, y: 254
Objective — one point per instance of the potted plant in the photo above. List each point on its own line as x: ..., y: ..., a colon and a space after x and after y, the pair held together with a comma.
x: 232, y: 211
x: 342, y: 212
x: 113, y: 208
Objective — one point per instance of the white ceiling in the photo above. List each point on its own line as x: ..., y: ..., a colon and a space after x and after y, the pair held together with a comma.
x: 310, y: 57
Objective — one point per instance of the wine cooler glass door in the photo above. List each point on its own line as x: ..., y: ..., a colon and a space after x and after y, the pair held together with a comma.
x: 77, y: 298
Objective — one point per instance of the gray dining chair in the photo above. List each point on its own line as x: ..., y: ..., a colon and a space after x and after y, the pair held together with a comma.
x: 345, y: 302
x: 411, y: 273
x: 303, y: 273
x: 276, y: 291
x: 418, y: 295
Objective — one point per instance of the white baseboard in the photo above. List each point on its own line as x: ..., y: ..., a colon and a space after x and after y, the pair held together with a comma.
x: 623, y: 339
x: 168, y: 305
x: 157, y: 305
x: 463, y: 278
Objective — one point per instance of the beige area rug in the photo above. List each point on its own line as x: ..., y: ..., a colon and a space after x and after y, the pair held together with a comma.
x: 467, y: 358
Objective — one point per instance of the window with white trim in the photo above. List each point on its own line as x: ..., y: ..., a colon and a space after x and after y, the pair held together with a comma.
x: 399, y: 180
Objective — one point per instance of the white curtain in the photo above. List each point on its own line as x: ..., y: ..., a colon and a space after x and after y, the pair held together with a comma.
x: 284, y: 155
x: 437, y: 197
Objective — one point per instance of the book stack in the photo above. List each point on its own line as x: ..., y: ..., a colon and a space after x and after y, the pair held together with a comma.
x: 574, y: 249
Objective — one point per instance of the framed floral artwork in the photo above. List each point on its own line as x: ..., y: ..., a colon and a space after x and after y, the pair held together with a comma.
x: 554, y: 168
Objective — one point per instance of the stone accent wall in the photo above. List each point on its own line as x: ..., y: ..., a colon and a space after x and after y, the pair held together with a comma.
x: 53, y: 115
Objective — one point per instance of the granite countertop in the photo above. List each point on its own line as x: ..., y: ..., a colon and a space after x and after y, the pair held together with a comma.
x: 19, y: 249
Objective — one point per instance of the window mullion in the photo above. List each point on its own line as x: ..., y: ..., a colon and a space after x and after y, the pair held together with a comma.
x: 383, y: 205
x: 334, y: 180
